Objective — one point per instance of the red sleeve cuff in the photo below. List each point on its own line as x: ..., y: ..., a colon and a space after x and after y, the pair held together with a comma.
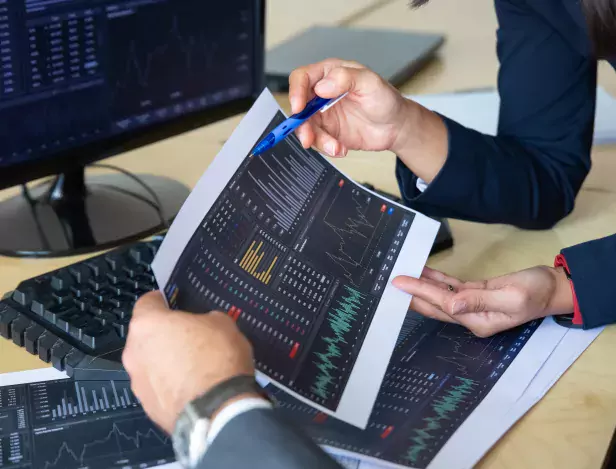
x: 560, y: 261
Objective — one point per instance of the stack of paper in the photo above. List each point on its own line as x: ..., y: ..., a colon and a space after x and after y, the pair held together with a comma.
x: 447, y: 396
x: 479, y: 110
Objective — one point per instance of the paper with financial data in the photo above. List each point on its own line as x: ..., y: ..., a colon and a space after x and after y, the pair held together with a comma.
x: 447, y: 396
x: 50, y: 422
x: 302, y: 258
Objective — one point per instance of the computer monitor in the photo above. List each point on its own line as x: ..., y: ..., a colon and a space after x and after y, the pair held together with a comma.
x: 83, y: 80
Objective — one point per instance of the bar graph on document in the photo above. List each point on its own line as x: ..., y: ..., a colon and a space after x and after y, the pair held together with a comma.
x: 261, y: 257
x: 53, y: 401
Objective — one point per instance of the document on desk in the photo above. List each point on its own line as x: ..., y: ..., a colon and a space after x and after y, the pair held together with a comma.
x: 478, y: 110
x: 302, y: 258
x: 447, y: 396
x: 50, y: 422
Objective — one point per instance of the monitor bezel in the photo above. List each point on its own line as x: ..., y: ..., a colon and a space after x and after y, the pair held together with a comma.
x: 81, y: 156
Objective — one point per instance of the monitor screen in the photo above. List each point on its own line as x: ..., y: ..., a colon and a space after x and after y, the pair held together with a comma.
x: 77, y: 72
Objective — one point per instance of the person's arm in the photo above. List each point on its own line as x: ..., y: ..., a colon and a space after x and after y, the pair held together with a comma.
x: 176, y: 360
x: 528, y: 175
x: 591, y: 269
x: 581, y: 282
x: 259, y: 439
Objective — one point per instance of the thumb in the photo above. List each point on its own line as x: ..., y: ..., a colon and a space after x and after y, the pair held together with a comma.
x: 342, y: 80
x: 149, y: 303
x: 477, y: 301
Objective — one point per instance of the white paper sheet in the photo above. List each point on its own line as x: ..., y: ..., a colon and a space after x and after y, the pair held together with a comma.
x: 363, y: 384
x: 558, y: 347
x: 479, y: 110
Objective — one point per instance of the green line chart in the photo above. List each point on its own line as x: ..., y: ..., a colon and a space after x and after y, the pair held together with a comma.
x: 442, y: 410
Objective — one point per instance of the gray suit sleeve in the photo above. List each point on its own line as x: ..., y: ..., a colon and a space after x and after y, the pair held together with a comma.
x: 260, y: 439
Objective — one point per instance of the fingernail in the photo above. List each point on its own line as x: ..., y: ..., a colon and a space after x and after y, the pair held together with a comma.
x: 325, y: 86
x: 330, y: 148
x: 458, y: 307
x: 343, y: 151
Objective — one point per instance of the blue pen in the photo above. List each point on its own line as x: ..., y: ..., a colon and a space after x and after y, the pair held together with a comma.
x: 283, y: 130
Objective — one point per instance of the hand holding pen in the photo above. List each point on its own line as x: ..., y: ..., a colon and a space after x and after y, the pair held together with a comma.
x: 285, y: 129
x: 372, y: 116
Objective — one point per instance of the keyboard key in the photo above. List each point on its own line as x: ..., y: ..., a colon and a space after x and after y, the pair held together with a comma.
x: 129, y: 296
x: 121, y: 328
x: 130, y: 284
x: 62, y: 280
x: 24, y: 295
x: 116, y: 261
x: 114, y: 302
x: 7, y: 316
x: 63, y: 297
x: 122, y: 313
x: 45, y: 343
x: 66, y: 321
x: 73, y: 358
x: 115, y: 278
x: 133, y: 271
x: 18, y: 327
x: 58, y: 352
x: 146, y: 278
x: 31, y: 337
x: 39, y: 305
x: 96, y: 297
x: 81, y: 272
x: 95, y: 309
x: 96, y: 336
x: 105, y: 318
x: 98, y: 283
x: 81, y: 304
x: 55, y: 313
x: 99, y: 266
x: 77, y: 327
x: 141, y: 254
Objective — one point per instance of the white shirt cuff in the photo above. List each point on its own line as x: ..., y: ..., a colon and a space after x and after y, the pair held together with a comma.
x: 233, y: 410
x: 421, y: 185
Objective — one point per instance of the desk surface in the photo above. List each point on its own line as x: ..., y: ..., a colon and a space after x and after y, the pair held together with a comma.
x: 572, y: 426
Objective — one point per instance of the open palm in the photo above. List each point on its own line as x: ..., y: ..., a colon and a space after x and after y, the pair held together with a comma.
x: 490, y: 306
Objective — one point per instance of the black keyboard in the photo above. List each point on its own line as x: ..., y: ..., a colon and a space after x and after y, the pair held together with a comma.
x: 77, y: 317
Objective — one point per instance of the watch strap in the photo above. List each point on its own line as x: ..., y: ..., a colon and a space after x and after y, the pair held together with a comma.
x: 215, y: 398
x: 190, y: 438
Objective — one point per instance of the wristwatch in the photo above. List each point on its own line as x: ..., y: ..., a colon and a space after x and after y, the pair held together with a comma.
x: 190, y: 437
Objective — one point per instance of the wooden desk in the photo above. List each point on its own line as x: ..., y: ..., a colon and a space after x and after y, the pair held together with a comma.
x: 571, y: 427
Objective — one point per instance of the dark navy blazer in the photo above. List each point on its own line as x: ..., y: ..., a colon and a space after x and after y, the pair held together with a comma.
x: 529, y: 175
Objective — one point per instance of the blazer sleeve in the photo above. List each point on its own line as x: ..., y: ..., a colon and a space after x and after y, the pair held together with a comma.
x: 530, y: 173
x: 260, y: 439
x: 591, y: 267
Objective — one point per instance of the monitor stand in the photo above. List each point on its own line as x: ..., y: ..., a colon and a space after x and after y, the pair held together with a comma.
x: 77, y: 215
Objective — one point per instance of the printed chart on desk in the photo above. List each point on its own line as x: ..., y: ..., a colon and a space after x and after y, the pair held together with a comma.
x: 300, y: 257
x: 63, y: 424
x: 437, y: 377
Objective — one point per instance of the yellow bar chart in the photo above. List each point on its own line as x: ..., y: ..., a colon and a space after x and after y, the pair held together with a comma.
x: 259, y: 260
